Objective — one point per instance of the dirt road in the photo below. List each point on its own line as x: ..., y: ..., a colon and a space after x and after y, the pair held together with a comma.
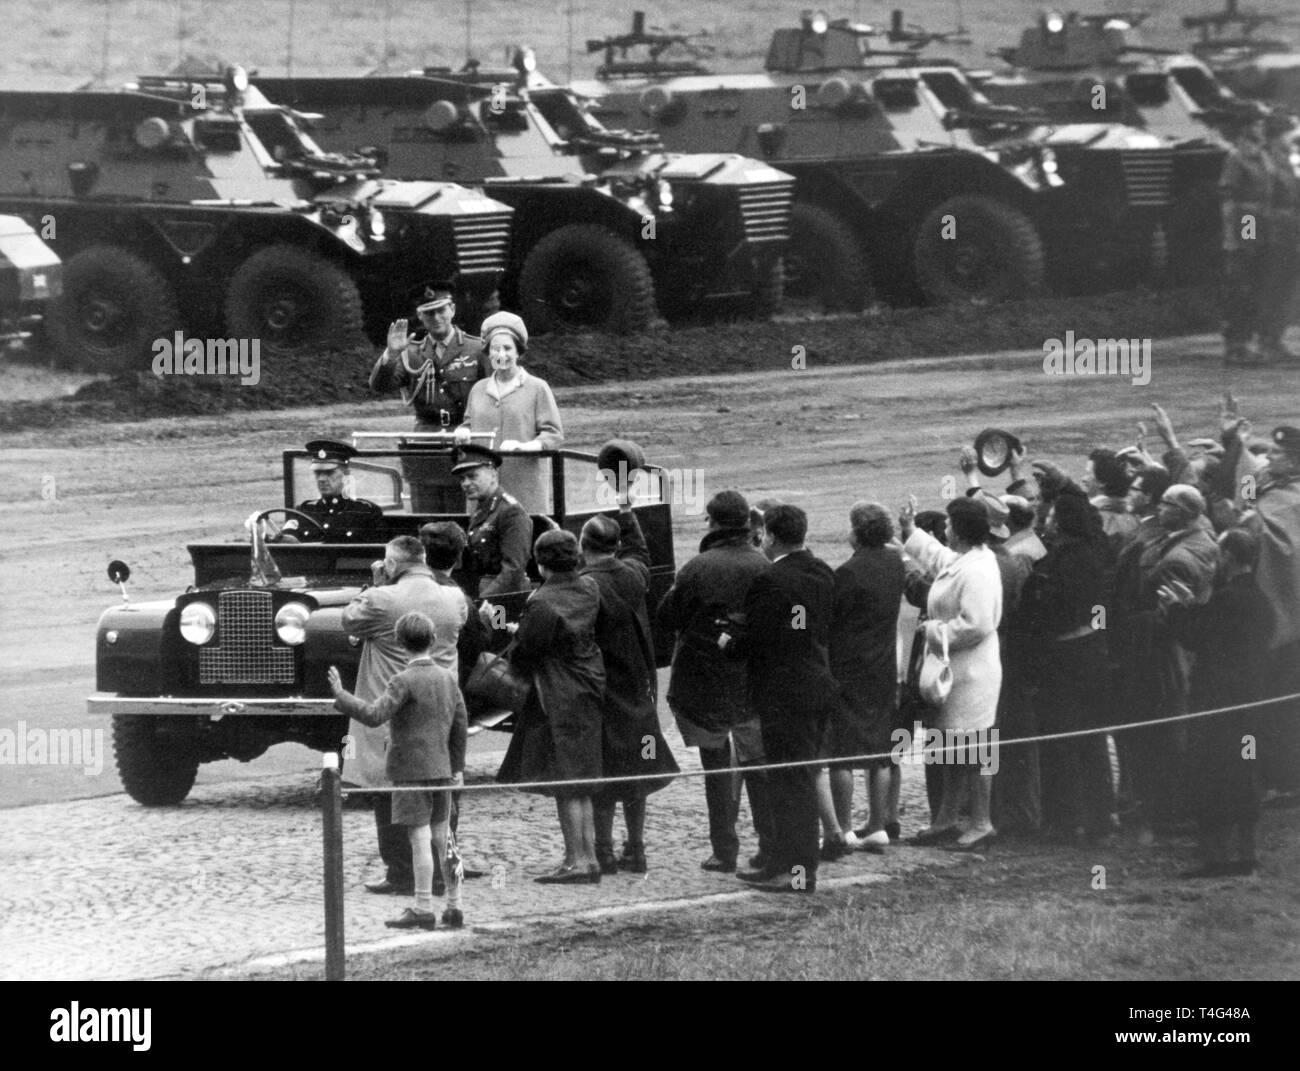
x: 818, y: 437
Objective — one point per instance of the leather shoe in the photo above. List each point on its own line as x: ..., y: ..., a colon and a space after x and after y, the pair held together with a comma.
x: 632, y: 860
x: 784, y: 883
x: 835, y: 849
x: 930, y: 835
x: 719, y: 866
x: 411, y: 919
x: 390, y: 888
x: 453, y: 918
x: 979, y: 844
x: 607, y: 860
x: 758, y: 860
x: 766, y: 873
x: 570, y: 875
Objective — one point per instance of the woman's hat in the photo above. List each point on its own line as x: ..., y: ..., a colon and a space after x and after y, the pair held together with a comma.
x: 505, y: 321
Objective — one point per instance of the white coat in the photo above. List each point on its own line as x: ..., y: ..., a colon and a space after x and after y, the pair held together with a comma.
x: 966, y: 597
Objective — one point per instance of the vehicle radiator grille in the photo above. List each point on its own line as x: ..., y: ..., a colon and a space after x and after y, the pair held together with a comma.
x: 244, y: 652
x: 765, y: 210
x: 1148, y: 175
x: 482, y: 241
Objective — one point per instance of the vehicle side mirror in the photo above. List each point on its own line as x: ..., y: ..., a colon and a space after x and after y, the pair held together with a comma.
x: 119, y: 573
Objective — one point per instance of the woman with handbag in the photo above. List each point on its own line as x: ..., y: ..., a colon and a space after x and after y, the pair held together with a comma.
x: 614, y: 554
x: 962, y: 676
x: 558, y: 733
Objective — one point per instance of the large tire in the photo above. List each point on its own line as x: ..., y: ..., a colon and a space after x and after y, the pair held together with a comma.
x: 768, y: 294
x: 995, y: 253
x: 825, y: 262
x: 114, y: 305
x: 583, y: 277
x: 293, y: 301
x: 154, y: 771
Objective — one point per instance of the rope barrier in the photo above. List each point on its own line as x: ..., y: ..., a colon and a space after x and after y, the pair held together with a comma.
x: 763, y: 767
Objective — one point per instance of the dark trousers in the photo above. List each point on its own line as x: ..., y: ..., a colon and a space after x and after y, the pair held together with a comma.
x: 722, y: 800
x: 1244, y: 287
x: 395, y: 845
x: 1017, y: 788
x: 793, y: 792
x: 1072, y: 695
x: 1279, y: 724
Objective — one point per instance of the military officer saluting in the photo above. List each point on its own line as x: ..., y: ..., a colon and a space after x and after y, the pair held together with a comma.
x: 341, y: 519
x: 500, y: 532
x: 434, y: 374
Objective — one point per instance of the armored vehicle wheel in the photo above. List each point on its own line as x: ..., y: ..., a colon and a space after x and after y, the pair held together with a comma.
x: 769, y: 292
x: 293, y: 300
x: 582, y: 277
x: 987, y: 252
x: 114, y: 305
x: 825, y: 261
x: 154, y: 771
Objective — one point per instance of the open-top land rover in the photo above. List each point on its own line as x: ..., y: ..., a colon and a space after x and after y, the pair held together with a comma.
x: 238, y: 662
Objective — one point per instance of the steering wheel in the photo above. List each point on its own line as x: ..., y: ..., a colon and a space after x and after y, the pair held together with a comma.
x: 309, y: 529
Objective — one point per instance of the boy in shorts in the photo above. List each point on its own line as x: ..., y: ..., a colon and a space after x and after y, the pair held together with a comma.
x: 427, y: 747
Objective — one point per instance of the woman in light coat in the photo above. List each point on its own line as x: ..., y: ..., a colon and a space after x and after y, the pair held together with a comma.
x: 965, y: 601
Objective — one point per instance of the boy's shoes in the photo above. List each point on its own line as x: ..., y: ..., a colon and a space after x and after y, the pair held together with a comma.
x: 390, y: 888
x: 453, y: 918
x: 632, y: 859
x: 413, y: 919
x: 608, y: 860
x: 719, y: 866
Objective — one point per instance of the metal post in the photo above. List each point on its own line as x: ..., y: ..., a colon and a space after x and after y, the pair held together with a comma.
x: 331, y: 803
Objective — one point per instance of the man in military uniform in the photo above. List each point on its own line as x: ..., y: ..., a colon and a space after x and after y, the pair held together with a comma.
x: 1246, y: 185
x: 434, y: 374
x: 1278, y: 300
x: 341, y: 519
x: 500, y: 532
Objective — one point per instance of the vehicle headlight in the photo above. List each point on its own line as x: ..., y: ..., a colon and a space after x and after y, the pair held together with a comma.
x: 1047, y: 161
x: 664, y: 191
x: 198, y: 623
x: 291, y: 623
x: 378, y: 225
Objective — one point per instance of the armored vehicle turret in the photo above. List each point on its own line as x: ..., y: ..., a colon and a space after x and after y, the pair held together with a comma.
x: 202, y: 208
x: 609, y: 229
x: 1253, y: 64
x: 910, y: 178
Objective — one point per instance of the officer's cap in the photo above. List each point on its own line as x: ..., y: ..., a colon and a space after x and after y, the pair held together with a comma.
x: 474, y: 456
x: 435, y: 296
x: 326, y: 454
x: 1288, y: 438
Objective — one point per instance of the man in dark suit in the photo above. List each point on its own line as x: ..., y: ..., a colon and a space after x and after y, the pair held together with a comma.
x: 788, y: 613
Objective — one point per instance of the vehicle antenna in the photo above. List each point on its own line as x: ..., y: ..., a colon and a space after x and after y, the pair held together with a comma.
x: 388, y: 36
x: 469, y: 30
x: 568, y: 64
x: 288, y: 46
x: 961, y: 23
x: 180, y: 31
x: 108, y: 29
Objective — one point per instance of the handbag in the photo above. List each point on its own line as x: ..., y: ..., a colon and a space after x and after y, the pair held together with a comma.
x: 936, y: 671
x: 495, y: 682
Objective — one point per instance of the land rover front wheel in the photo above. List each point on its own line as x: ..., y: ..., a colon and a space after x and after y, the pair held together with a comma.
x: 583, y: 277
x: 114, y: 305
x: 157, y: 769
x: 976, y: 250
x: 292, y: 301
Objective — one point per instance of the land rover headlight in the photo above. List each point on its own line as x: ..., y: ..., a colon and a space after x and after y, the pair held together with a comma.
x: 1047, y: 161
x: 664, y: 193
x: 378, y: 225
x: 819, y: 22
x: 198, y: 623
x: 291, y: 623
x: 1054, y: 22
